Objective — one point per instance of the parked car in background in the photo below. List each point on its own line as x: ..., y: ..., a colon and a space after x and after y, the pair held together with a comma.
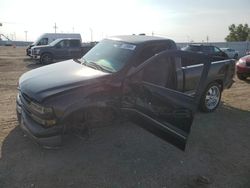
x: 47, y: 38
x: 243, y: 67
x: 210, y: 50
x: 60, y: 49
x: 231, y: 53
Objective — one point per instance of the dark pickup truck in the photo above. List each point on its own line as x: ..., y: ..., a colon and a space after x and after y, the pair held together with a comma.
x: 65, y: 48
x: 146, y: 79
x: 216, y: 53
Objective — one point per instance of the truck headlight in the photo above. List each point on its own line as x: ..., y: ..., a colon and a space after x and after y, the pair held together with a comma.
x: 45, y: 122
x: 40, y: 109
x: 36, y: 51
x: 18, y: 99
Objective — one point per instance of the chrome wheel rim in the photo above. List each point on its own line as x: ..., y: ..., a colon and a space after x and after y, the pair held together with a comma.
x: 212, y: 97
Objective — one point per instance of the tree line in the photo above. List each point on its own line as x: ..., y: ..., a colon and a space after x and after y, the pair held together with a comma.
x: 238, y: 33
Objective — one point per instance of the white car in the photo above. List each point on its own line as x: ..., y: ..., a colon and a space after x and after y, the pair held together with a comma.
x: 231, y: 53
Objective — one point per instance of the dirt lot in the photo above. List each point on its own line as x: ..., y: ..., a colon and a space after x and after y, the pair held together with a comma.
x: 124, y: 155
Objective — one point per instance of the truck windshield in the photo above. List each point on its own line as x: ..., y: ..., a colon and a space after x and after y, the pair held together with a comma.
x: 110, y: 55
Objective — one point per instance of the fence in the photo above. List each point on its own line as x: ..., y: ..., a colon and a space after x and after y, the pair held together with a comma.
x: 242, y: 47
x: 16, y: 43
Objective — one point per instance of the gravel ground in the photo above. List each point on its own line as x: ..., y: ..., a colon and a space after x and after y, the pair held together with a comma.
x: 123, y: 154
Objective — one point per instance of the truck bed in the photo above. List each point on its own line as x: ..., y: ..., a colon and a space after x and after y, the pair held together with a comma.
x: 221, y: 71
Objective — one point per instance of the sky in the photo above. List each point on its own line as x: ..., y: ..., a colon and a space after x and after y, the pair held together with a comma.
x: 180, y: 20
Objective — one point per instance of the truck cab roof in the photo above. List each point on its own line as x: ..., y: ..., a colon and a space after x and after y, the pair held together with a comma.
x: 140, y: 39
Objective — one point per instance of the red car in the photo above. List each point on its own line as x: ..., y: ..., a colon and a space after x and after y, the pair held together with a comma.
x: 243, y: 67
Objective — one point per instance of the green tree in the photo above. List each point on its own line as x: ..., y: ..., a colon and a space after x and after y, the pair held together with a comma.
x: 238, y: 33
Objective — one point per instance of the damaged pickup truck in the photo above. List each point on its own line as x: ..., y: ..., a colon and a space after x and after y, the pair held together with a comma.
x: 142, y: 77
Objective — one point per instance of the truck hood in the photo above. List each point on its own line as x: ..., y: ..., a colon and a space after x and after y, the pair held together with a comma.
x: 52, y: 79
x: 41, y: 46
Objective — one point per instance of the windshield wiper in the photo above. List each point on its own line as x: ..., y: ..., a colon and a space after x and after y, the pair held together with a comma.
x: 98, y: 67
x: 83, y: 61
x: 107, y: 68
x: 78, y: 61
x: 93, y: 65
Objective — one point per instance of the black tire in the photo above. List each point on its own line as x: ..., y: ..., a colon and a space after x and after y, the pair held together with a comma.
x: 46, y: 58
x: 211, y: 97
x: 241, y: 77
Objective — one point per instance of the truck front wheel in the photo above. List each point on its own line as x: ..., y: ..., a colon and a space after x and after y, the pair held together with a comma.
x: 81, y: 123
x: 46, y: 58
x: 210, y: 99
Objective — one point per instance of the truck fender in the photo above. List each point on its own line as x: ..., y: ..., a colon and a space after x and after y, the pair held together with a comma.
x: 81, y: 106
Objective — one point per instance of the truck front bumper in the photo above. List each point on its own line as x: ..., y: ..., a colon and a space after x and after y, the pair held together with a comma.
x: 46, y: 137
x: 36, y: 57
x: 28, y: 52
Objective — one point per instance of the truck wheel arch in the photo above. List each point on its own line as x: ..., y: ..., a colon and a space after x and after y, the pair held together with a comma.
x: 220, y: 82
x: 49, y: 58
x: 78, y: 116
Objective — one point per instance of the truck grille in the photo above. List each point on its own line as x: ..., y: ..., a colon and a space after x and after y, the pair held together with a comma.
x: 31, y: 52
x: 26, y: 97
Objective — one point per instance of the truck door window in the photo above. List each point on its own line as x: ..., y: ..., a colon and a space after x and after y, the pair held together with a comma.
x: 208, y: 49
x: 74, y: 43
x: 63, y: 44
x: 162, y: 73
x: 150, y: 51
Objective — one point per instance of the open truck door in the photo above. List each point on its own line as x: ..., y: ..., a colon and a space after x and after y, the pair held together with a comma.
x: 151, y: 98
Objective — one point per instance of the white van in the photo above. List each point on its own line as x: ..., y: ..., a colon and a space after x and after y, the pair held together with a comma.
x: 47, y: 38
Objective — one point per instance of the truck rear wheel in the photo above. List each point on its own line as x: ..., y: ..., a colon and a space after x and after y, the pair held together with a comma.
x: 46, y: 58
x: 210, y: 99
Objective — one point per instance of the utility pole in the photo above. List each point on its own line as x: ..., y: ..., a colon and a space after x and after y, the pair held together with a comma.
x: 91, y: 34
x: 0, y: 33
x: 55, y: 27
x: 26, y: 33
x: 207, y: 38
